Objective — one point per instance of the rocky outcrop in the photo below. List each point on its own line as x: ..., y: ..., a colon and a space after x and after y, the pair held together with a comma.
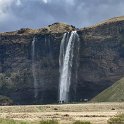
x: 100, y: 61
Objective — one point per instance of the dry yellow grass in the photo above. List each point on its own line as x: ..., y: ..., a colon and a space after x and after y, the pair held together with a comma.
x: 96, y: 113
x: 107, y: 21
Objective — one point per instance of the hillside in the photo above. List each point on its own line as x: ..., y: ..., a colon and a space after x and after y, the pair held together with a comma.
x: 112, y: 94
x: 53, y: 28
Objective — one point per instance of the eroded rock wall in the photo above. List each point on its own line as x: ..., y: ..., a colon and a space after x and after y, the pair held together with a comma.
x: 101, y: 63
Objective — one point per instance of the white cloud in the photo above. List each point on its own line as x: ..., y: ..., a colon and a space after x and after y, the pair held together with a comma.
x: 45, y: 1
x: 5, y: 9
x: 70, y: 2
x: 18, y: 2
x: 15, y: 14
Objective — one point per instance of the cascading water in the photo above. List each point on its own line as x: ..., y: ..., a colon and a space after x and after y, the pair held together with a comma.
x: 65, y: 62
x: 34, y: 69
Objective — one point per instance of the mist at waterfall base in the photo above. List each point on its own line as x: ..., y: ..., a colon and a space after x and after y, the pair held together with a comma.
x: 69, y: 45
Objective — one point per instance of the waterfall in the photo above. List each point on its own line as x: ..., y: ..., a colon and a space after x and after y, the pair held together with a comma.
x: 34, y: 69
x: 66, y: 62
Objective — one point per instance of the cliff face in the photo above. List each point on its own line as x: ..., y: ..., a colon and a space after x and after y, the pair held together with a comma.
x: 101, y: 59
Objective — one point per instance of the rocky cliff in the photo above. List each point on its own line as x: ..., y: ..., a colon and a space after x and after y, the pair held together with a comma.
x: 101, y: 61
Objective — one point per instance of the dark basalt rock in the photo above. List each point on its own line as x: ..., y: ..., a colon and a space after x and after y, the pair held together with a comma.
x: 101, y: 62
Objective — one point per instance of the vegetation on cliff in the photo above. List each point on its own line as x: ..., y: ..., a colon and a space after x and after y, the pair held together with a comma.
x: 5, y: 100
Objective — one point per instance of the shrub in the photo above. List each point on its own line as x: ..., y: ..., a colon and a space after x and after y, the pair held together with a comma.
x: 81, y: 122
x: 49, y: 122
x: 119, y: 119
x: 5, y: 100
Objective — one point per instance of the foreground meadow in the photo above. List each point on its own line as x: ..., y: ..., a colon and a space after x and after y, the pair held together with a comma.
x: 85, y: 113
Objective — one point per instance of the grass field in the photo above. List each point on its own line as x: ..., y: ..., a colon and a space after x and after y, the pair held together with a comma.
x: 96, y: 113
x: 113, y: 93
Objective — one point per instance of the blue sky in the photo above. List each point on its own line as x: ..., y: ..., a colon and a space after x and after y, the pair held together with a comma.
x: 16, y: 14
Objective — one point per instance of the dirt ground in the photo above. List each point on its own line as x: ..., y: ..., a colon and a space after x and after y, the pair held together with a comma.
x: 96, y: 113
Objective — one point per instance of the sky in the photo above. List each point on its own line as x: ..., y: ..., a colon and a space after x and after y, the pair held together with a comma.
x: 16, y: 14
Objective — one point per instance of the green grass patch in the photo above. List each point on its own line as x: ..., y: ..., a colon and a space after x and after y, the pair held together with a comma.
x: 119, y: 119
x: 10, y: 121
x: 114, y: 93
x: 81, y: 122
x: 49, y: 122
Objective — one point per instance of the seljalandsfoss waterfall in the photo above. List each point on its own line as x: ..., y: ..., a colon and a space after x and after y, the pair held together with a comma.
x: 34, y: 69
x: 69, y: 44
x: 68, y: 66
